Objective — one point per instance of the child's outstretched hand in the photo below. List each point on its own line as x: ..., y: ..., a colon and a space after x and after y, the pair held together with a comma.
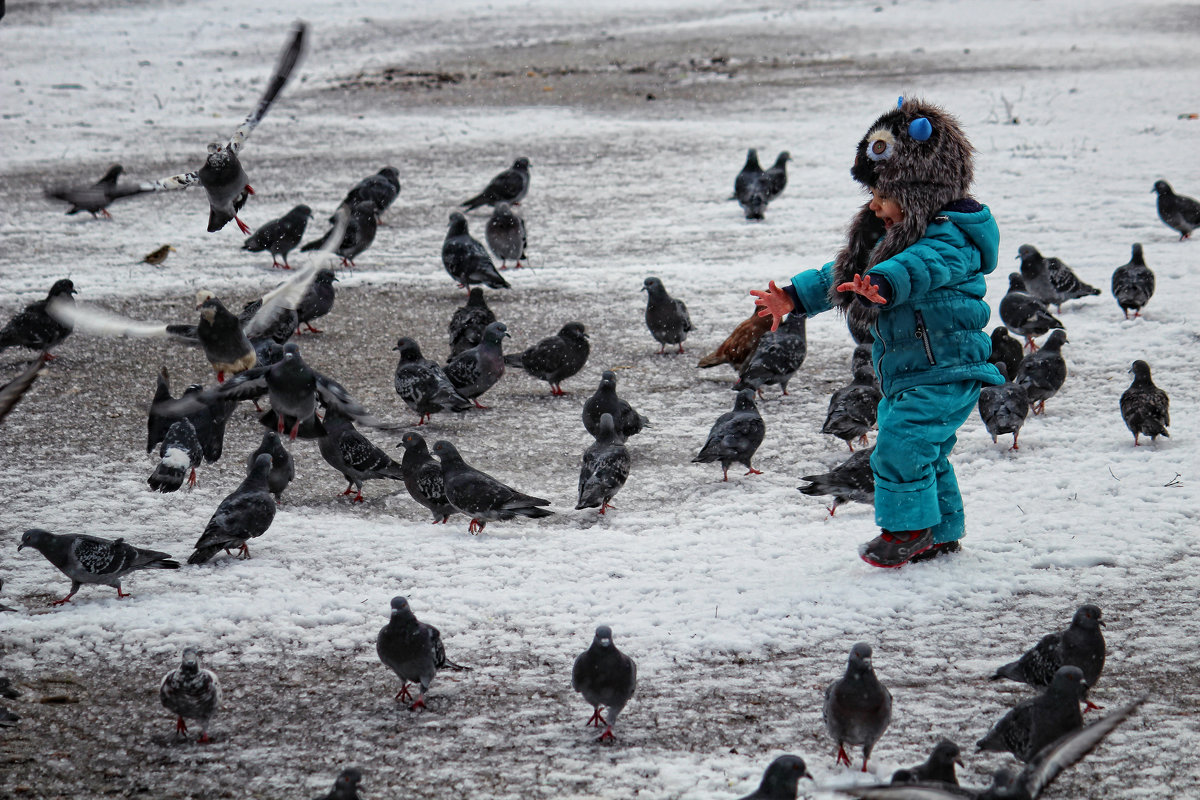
x: 774, y: 303
x: 861, y: 284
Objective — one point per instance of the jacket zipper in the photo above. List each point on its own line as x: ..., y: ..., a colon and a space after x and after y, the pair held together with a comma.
x: 923, y: 335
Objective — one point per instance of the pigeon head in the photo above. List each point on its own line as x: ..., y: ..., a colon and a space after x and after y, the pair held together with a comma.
x: 946, y: 752
x: 37, y: 538
x: 259, y: 469
x: 744, y: 401
x: 391, y: 173
x: 610, y: 376
x: 521, y: 164
x: 1140, y: 370
x: 860, y: 657
x: 782, y: 776
x: 272, y: 444
x: 654, y: 286
x: 606, y: 431
x: 113, y: 173
x: 348, y: 780
x: 446, y: 451
x: 1088, y: 616
x: 475, y: 298
x: 458, y: 225
x: 1162, y: 187
x: 291, y: 351
x: 399, y: 604
x: 1137, y: 257
x: 495, y: 332
x: 573, y: 330
x: 1028, y: 254
x: 408, y: 348
x: 1002, y: 368
x: 502, y: 211
x: 1056, y: 340
x: 190, y: 663
x: 325, y: 276
x: 603, y: 636
x: 401, y: 612
x: 300, y: 211
x: 413, y: 441
x: 1015, y: 282
x: 62, y: 287
x: 782, y: 159
x: 1069, y: 681
x: 752, y: 160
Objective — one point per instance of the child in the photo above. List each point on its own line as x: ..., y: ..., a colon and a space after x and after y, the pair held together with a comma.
x: 914, y: 264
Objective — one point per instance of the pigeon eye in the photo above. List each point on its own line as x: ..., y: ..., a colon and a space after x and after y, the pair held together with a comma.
x: 880, y: 146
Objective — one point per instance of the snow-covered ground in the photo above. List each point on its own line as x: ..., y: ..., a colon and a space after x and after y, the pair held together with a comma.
x: 739, y: 600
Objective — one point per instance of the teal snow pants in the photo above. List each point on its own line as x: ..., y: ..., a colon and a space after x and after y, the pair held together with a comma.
x: 915, y: 487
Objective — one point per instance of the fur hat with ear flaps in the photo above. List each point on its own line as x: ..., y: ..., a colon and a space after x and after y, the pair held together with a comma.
x: 918, y: 155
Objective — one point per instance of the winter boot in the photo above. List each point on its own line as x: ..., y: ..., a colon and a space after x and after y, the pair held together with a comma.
x: 896, y: 548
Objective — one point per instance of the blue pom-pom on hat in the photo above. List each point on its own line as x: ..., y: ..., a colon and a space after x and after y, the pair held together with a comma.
x: 920, y: 129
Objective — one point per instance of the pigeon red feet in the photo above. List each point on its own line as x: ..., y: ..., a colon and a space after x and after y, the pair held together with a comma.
x: 311, y: 329
x: 476, y: 526
x: 1031, y: 344
x: 295, y: 430
x: 1090, y: 706
x: 192, y: 479
x: 349, y: 489
x: 753, y: 471
x: 607, y: 736
x: 277, y: 265
x: 244, y: 551
x: 725, y: 472
x: 221, y: 377
x: 180, y: 725
x: 358, y: 498
x: 420, y: 703
x: 605, y: 506
x: 66, y: 599
x: 596, y: 721
x: 680, y: 352
x: 1015, y: 445
x: 245, y: 228
x: 403, y: 695
x: 121, y: 595
x: 478, y: 404
x: 249, y: 189
x: 842, y: 758
x: 107, y: 215
x: 203, y: 738
x: 557, y: 391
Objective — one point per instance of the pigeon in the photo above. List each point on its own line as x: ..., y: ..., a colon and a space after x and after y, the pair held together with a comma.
x: 480, y: 496
x: 345, y: 787
x: 509, y: 187
x: 781, y: 779
x: 858, y: 708
x: 1028, y: 784
x: 555, y: 358
x: 735, y: 436
x: 860, y: 359
x: 938, y: 768
x: 505, y: 233
x: 1043, y: 373
x: 853, y: 408
x: 245, y: 513
x: 605, y: 468
x: 350, y: 453
x: 666, y: 317
x: 208, y: 419
x: 1133, y: 283
x: 413, y: 650
x: 605, y: 401
x: 280, y: 236
x: 317, y: 301
x: 751, y: 188
x: 34, y: 328
x: 283, y: 468
x: 775, y: 176
x: 191, y: 692
x: 606, y: 678
x: 850, y: 480
x: 1006, y: 350
x: 180, y: 452
x: 469, y: 321
x: 12, y: 392
x: 422, y: 384
x: 156, y: 257
x: 777, y: 358
x: 1004, y: 408
x: 361, y: 226
x: 1080, y: 645
x: 278, y: 325
x: 1178, y: 211
x: 96, y: 198
x: 423, y: 477
x: 1145, y: 407
x: 740, y: 344
x: 1049, y: 279
x: 477, y: 369
x: 222, y: 175
x: 466, y: 260
x: 220, y: 333
x: 90, y: 559
x: 1038, y: 721
x: 1024, y: 314
x: 380, y: 189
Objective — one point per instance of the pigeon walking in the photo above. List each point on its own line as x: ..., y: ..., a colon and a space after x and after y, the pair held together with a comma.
x: 1043, y: 373
x: 781, y: 779
x: 422, y: 384
x: 208, y: 419
x: 480, y: 496
x: 750, y: 187
x: 505, y: 233
x: 477, y: 369
x: 854, y: 408
x: 555, y: 358
x: 509, y: 187
x: 413, y: 650
x: 34, y: 328
x: 606, y: 678
x: 740, y: 344
x: 361, y: 226
x: 1006, y: 350
x: 380, y: 189
x: 858, y: 708
x: 345, y: 787
x: 1004, y: 408
x: 1038, y: 721
x: 850, y: 480
x: 605, y: 468
x: 938, y: 768
x: 350, y: 453
x: 1178, y: 211
x: 1080, y: 645
x: 666, y: 317
x: 280, y: 236
x: 12, y: 392
x: 775, y: 176
x: 626, y: 420
x: 1024, y: 314
x: 777, y: 358
x: 1145, y: 407
x: 96, y: 198
x: 317, y: 301
x: 283, y: 468
x: 735, y: 436
x: 92, y: 560
x: 180, y: 452
x: 1133, y: 283
x: 469, y: 322
x: 465, y: 258
x: 244, y: 514
x: 1049, y: 279
x: 423, y: 477
x: 191, y: 692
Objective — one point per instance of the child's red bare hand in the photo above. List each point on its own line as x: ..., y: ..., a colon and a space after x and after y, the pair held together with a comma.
x: 774, y: 303
x: 861, y: 284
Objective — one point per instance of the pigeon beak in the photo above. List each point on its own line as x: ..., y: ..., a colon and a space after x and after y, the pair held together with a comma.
x: 20, y: 547
x: 959, y: 761
x: 1101, y: 623
x: 605, y: 642
x: 808, y: 775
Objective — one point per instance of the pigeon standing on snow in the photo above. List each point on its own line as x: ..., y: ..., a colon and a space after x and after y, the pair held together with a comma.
x: 90, y: 559
x: 606, y: 678
x: 280, y: 236
x: 477, y: 369
x: 1043, y: 373
x: 850, y: 480
x: 858, y: 708
x: 1145, y: 407
x: 740, y: 344
x: 283, y: 468
x: 749, y: 187
x: 208, y: 420
x: 509, y: 187
x: 775, y: 176
x: 505, y: 233
x: 413, y: 650
x: 480, y: 496
x: 1006, y: 350
x: 1004, y: 408
x: 777, y: 358
x: 180, y: 452
x: 245, y: 513
x: 781, y: 779
x: 34, y: 328
x: 605, y: 468
x: 666, y: 317
x: 423, y: 477
x: 345, y: 787
x: 1049, y: 279
x: 469, y: 322
x: 1024, y: 314
x: 605, y: 401
x: 1178, y: 211
x: 191, y: 692
x: 938, y: 768
x: 96, y: 198
x: 361, y: 227
x: 1038, y: 721
x: 465, y: 258
x: 1133, y: 283
x: 317, y: 300
x: 422, y: 385
x: 555, y: 358
x: 1080, y: 645
x: 220, y: 332
x: 854, y: 408
x: 350, y: 453
x: 380, y: 189
x: 735, y: 436
x: 12, y: 392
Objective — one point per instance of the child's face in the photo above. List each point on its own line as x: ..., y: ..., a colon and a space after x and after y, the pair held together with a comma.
x: 886, y: 208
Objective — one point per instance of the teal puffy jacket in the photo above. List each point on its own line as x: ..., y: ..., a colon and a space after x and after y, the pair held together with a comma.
x: 932, y: 329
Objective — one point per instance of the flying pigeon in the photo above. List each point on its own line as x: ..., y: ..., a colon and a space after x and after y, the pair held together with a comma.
x: 850, y: 480
x: 280, y: 236
x: 245, y: 513
x: 96, y: 198
x: 1044, y: 372
x: 466, y: 260
x: 413, y: 650
x: 350, y: 453
x: 666, y: 317
x: 220, y: 332
x: 1006, y: 350
x: 1024, y: 314
x: 775, y: 176
x: 283, y: 468
x: 509, y: 187
x: 34, y: 328
x: 735, y: 436
x: 12, y: 392
x: 158, y: 256
x: 505, y: 234
x: 222, y: 175
x: 477, y: 369
x: 90, y: 559
x: 282, y: 324
x: 422, y: 384
x: 423, y: 477
x: 740, y: 344
x: 317, y: 301
x: 1080, y: 645
x: 853, y: 408
x: 606, y: 678
x: 777, y: 358
x: 938, y: 768
x: 750, y: 187
x: 858, y: 708
x: 1004, y: 408
x: 480, y: 496
x: 380, y: 189
x: 191, y: 692
x: 1049, y: 279
x: 605, y: 401
x: 1133, y: 283
x: 361, y: 226
x: 555, y: 358
x: 1038, y: 721
x: 1178, y: 211
x: 180, y: 452
x: 781, y: 779
x: 208, y: 419
x: 469, y: 321
x: 1145, y: 407
x: 345, y: 787
x: 605, y: 468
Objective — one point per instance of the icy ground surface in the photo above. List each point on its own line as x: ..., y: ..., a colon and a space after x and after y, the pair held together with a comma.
x: 739, y: 600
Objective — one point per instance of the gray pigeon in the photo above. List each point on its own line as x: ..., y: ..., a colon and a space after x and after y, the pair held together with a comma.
x: 469, y: 321
x: 477, y: 369
x: 938, y: 768
x: 280, y: 236
x: 781, y: 779
x: 220, y: 332
x: 244, y: 514
x: 666, y: 317
x: 1006, y: 350
x: 96, y: 198
x: 1004, y: 408
x: 509, y: 187
x: 605, y: 401
x: 361, y: 227
x: 317, y: 300
x: 1043, y: 373
x: 12, y: 392
x: 1049, y: 279
x: 854, y: 408
x: 1038, y: 721
x: 605, y: 468
x: 1133, y: 283
x: 1080, y: 645
x: 858, y: 708
x: 90, y: 559
x: 606, y: 678
x: 775, y: 176
x: 422, y: 384
x: 1024, y: 314
x: 208, y: 419
x: 750, y: 187
x: 465, y: 258
x: 180, y: 451
x: 413, y: 650
x: 283, y: 468
x: 850, y: 480
x: 381, y: 189
x: 191, y: 692
x: 278, y: 325
x: 735, y: 436
x: 480, y: 496
x: 423, y: 477
x: 777, y: 358
x: 1178, y: 211
x: 555, y: 358
x: 34, y: 328
x: 505, y: 233
x: 350, y: 453
x: 1145, y: 407
x: 345, y: 787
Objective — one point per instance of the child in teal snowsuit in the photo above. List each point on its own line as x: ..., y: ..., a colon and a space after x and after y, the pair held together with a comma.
x: 913, y: 268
